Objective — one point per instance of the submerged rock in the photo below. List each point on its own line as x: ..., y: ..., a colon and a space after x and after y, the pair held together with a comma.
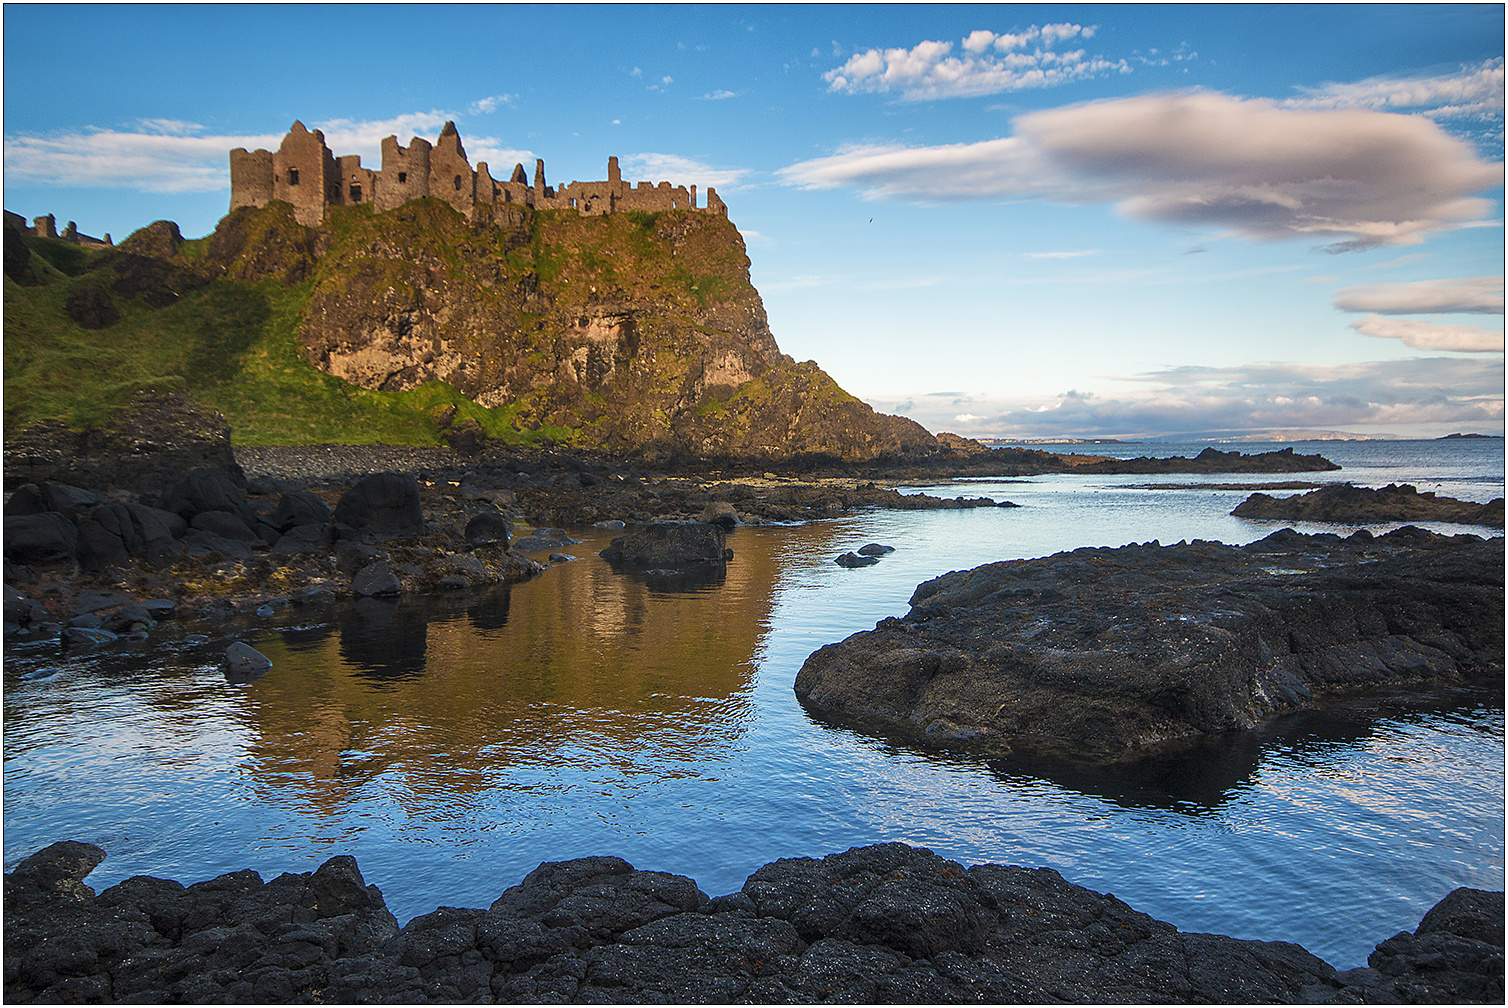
x: 1354, y: 504
x: 882, y: 924
x: 1101, y: 652
x: 671, y: 545
x: 244, y: 663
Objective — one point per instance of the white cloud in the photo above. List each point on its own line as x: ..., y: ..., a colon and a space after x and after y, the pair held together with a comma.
x: 164, y: 155
x: 1430, y: 335
x: 1474, y: 91
x: 1199, y: 159
x: 991, y: 63
x: 679, y: 170
x: 485, y: 106
x: 1478, y: 296
x: 719, y: 95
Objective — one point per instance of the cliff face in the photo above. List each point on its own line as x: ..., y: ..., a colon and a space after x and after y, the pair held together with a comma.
x: 629, y: 331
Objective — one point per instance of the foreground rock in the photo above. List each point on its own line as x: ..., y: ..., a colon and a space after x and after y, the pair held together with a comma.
x: 1345, y: 503
x: 671, y: 545
x: 880, y: 924
x: 1099, y: 653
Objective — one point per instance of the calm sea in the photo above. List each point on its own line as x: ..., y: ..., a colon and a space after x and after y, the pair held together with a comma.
x: 453, y: 745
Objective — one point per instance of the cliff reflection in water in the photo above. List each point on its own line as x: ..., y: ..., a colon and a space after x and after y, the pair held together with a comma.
x: 445, y: 697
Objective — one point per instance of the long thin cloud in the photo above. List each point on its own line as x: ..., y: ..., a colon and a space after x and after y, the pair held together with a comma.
x: 1431, y: 335
x: 168, y: 156
x: 1199, y: 159
x: 1476, y: 296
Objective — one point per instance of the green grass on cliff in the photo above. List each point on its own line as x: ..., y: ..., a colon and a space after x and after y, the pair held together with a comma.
x: 232, y: 345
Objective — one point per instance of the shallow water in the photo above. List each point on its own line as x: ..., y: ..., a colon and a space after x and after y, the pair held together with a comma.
x: 452, y: 745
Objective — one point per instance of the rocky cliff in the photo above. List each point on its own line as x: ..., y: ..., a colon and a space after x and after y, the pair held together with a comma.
x: 631, y: 331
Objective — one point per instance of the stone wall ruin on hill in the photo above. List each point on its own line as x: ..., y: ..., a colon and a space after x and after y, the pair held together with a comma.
x: 304, y: 173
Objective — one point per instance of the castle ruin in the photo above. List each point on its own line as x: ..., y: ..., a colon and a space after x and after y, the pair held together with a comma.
x: 304, y: 173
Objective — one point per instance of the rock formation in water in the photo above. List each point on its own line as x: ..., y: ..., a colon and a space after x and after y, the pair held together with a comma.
x: 1345, y: 503
x: 1100, y: 653
x: 881, y: 924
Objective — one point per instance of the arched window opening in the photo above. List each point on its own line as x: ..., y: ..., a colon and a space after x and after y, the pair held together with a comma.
x: 402, y: 177
x: 458, y: 183
x: 355, y: 192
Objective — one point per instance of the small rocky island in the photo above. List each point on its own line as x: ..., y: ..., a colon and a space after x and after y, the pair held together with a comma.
x: 1344, y: 503
x: 882, y: 924
x: 1102, y: 653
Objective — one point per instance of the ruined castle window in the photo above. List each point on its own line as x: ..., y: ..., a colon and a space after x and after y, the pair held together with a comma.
x: 402, y: 177
x: 458, y: 183
x: 293, y: 176
x: 355, y: 192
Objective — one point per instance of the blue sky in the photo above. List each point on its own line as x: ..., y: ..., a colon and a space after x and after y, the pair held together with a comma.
x: 1009, y: 220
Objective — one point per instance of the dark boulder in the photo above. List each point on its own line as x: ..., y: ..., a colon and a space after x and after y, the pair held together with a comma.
x: 668, y: 545
x: 875, y: 549
x: 300, y: 508
x: 855, y: 560
x: 226, y: 525
x: 47, y: 538
x: 244, y: 663
x: 382, y: 502
x: 208, y: 489
x: 376, y: 580
x: 39, y: 498
x: 488, y: 528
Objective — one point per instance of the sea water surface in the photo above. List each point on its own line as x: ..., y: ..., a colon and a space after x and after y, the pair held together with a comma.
x: 453, y: 744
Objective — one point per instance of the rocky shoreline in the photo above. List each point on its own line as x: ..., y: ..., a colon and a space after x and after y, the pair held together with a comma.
x: 1347, y: 504
x: 1103, y: 654
x: 882, y: 924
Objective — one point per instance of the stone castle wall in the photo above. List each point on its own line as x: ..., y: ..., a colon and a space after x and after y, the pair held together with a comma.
x: 304, y: 173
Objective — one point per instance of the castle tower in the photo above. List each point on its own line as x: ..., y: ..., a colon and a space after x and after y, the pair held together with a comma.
x: 450, y: 174
x: 305, y: 174
x: 250, y: 178
x: 405, y: 173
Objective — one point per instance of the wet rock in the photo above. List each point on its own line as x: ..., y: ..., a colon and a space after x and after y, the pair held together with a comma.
x: 376, y: 580
x: 225, y: 525
x: 46, y: 538
x: 1102, y: 652
x: 207, y: 489
x: 661, y: 546
x: 1345, y: 503
x: 244, y: 663
x: 488, y: 528
x: 78, y: 638
x: 299, y: 508
x: 382, y: 502
x: 39, y: 498
x: 855, y: 560
x: 720, y: 513
x: 881, y: 924
x: 875, y: 549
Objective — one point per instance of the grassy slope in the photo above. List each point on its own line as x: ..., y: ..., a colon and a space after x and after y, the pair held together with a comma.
x: 232, y: 345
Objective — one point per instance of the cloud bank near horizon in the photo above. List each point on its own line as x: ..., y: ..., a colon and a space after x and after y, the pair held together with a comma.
x: 159, y: 155
x: 1405, y: 394
x: 1244, y: 166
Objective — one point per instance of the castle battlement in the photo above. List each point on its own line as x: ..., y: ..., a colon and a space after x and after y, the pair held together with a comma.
x: 303, y: 172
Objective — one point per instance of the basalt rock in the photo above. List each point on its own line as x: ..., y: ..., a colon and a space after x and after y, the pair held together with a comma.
x: 1213, y: 460
x: 1345, y: 503
x: 881, y: 924
x: 671, y: 545
x: 1100, y: 653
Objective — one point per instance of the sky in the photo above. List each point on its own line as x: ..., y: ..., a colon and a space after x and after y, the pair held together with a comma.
x: 1020, y: 221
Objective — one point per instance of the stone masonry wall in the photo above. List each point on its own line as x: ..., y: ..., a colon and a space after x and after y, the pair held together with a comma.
x: 304, y: 173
